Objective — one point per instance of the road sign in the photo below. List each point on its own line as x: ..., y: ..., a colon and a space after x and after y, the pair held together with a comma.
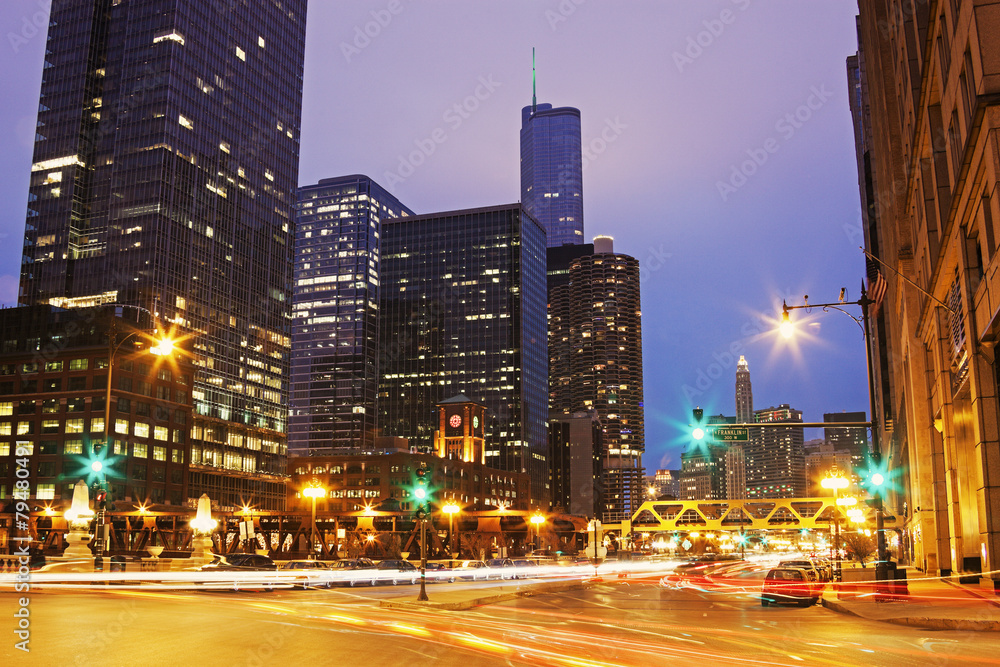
x: 731, y: 433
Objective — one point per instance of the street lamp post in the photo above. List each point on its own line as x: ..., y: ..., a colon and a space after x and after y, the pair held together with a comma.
x: 836, y: 481
x: 880, y: 564
x: 163, y: 347
x: 451, y: 509
x: 537, y: 520
x: 313, y: 491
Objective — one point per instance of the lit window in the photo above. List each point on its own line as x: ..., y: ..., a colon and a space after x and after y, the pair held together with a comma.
x: 161, y: 432
x: 45, y: 491
x: 73, y: 447
x: 241, y: 54
x: 74, y: 425
x: 159, y: 453
x: 6, y: 408
x: 260, y: 41
x: 140, y: 430
x: 121, y: 426
x: 97, y: 425
x: 185, y: 122
x: 139, y: 449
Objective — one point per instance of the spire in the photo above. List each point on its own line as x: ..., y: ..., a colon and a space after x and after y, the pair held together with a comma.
x: 534, y: 102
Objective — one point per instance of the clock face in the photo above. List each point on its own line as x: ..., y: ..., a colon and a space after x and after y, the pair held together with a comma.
x: 455, y: 421
x: 475, y: 422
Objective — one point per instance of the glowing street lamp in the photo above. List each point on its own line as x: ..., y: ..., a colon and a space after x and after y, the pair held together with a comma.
x: 835, y: 481
x: 451, y: 509
x: 537, y: 520
x: 313, y: 491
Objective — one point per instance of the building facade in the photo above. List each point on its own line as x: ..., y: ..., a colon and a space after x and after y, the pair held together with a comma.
x: 744, y: 393
x: 775, y: 462
x: 334, y: 363
x: 850, y: 439
x: 595, y: 361
x: 703, y: 472
x: 463, y: 311
x: 552, y: 171
x: 55, y: 366
x: 576, y: 445
x: 927, y: 87
x: 164, y: 176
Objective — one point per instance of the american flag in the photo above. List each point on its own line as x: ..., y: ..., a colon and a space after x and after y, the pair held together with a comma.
x: 876, y: 286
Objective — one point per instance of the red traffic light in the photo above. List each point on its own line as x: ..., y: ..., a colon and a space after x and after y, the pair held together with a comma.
x: 101, y: 496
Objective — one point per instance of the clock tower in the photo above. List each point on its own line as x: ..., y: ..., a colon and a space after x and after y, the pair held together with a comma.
x: 461, y: 429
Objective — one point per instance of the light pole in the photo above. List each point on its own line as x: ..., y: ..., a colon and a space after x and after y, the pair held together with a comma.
x: 835, y: 481
x: 451, y: 509
x: 163, y: 347
x: 313, y: 491
x: 880, y: 564
x: 537, y: 520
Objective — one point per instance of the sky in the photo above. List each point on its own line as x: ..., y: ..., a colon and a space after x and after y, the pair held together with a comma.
x: 718, y: 151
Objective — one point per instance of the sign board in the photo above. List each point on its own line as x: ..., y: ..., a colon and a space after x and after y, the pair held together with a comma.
x: 731, y: 433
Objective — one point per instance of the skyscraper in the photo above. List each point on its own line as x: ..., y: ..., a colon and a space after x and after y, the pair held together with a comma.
x: 736, y: 478
x: 744, y: 393
x: 852, y: 439
x: 335, y: 325
x: 552, y: 169
x: 164, y: 176
x: 595, y: 360
x: 775, y: 462
x: 463, y: 311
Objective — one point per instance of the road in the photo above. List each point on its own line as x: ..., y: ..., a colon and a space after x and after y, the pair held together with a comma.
x: 615, y: 623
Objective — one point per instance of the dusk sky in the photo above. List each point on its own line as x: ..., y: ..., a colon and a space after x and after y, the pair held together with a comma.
x: 676, y: 99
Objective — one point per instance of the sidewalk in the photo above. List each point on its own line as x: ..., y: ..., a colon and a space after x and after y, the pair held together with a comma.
x: 932, y: 603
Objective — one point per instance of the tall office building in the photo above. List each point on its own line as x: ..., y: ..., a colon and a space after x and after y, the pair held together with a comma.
x: 736, y: 477
x: 575, y: 447
x: 744, y: 393
x: 595, y: 360
x: 852, y: 439
x: 164, y: 176
x: 552, y: 169
x: 335, y: 324
x: 775, y: 462
x: 462, y: 310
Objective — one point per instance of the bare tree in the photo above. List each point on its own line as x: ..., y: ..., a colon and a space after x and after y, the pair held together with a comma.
x: 859, y: 547
x: 477, y: 544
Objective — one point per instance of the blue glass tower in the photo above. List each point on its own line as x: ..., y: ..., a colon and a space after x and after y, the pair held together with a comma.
x: 552, y: 169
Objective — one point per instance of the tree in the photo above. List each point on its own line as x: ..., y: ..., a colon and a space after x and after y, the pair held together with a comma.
x: 859, y: 547
x: 477, y: 545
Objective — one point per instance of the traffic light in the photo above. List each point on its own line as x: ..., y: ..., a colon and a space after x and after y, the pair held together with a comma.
x: 101, y: 499
x: 698, y: 429
x: 422, y: 492
x: 876, y: 479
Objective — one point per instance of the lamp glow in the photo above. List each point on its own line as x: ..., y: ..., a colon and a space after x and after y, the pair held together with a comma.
x: 203, y: 523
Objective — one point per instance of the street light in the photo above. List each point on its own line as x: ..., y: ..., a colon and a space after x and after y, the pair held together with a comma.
x: 537, y: 520
x: 835, y: 481
x: 451, y: 509
x: 313, y: 491
x: 881, y: 569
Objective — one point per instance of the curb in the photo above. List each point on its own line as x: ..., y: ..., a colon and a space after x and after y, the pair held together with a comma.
x: 537, y: 589
x: 921, y: 622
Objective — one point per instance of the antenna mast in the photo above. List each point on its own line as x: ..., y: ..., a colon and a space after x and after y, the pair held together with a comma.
x: 534, y: 103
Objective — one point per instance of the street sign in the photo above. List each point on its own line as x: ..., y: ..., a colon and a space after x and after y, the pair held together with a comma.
x: 731, y: 433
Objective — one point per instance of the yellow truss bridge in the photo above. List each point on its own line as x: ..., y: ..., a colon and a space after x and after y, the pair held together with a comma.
x: 741, y: 515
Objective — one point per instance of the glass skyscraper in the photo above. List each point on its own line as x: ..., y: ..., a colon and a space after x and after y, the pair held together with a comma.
x: 463, y: 311
x: 335, y: 325
x: 552, y: 171
x: 164, y: 176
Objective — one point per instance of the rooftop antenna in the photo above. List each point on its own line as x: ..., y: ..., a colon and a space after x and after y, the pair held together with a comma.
x: 534, y: 102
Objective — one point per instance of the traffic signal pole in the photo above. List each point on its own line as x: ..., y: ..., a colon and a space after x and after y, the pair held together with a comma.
x: 422, y: 597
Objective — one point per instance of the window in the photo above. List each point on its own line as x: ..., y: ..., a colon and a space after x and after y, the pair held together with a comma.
x: 6, y: 388
x: 76, y: 384
x: 164, y: 374
x: 101, y: 362
x: 163, y: 393
x: 140, y: 430
x: 48, y: 447
x: 126, y: 365
x: 53, y: 366
x: 76, y: 405
x: 73, y: 447
x: 178, y: 436
x: 45, y: 491
x: 74, y: 425
x: 139, y: 472
x: 142, y: 409
x: 78, y: 364
x: 97, y: 424
x: 100, y: 382
x: 26, y: 408
x: 177, y: 456
x: 125, y: 383
x: 29, y: 368
x: 140, y: 450
x: 5, y: 428
x: 6, y: 408
x: 50, y: 426
x: 144, y: 388
x: 29, y: 386
x: 50, y: 406
x: 180, y: 417
x: 53, y: 385
x: 124, y: 405
x: 121, y: 426
x: 25, y: 427
x: 24, y: 448
x: 161, y: 433
x: 159, y: 475
x: 159, y: 453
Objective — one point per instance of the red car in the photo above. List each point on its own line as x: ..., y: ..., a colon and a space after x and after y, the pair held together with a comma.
x: 789, y: 585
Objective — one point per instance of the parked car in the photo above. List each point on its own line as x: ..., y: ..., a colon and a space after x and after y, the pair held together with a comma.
x: 524, y: 568
x: 344, y: 571
x: 789, y: 585
x: 502, y: 568
x: 309, y: 573
x: 235, y: 565
x: 543, y: 554
x: 814, y: 572
x: 439, y: 572
x: 398, y: 570
x: 472, y: 569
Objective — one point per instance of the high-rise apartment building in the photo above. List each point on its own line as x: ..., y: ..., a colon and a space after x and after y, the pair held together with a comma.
x: 164, y: 176
x: 552, y: 170
x: 775, y: 463
x: 927, y: 81
x: 462, y: 310
x: 335, y: 323
x: 595, y: 360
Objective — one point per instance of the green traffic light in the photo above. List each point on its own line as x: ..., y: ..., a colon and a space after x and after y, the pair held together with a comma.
x: 698, y: 433
x: 420, y: 492
x: 878, y: 479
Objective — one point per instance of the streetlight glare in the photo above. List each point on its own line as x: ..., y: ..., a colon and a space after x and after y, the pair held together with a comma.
x: 786, y: 328
x: 97, y: 466
x: 164, y: 347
